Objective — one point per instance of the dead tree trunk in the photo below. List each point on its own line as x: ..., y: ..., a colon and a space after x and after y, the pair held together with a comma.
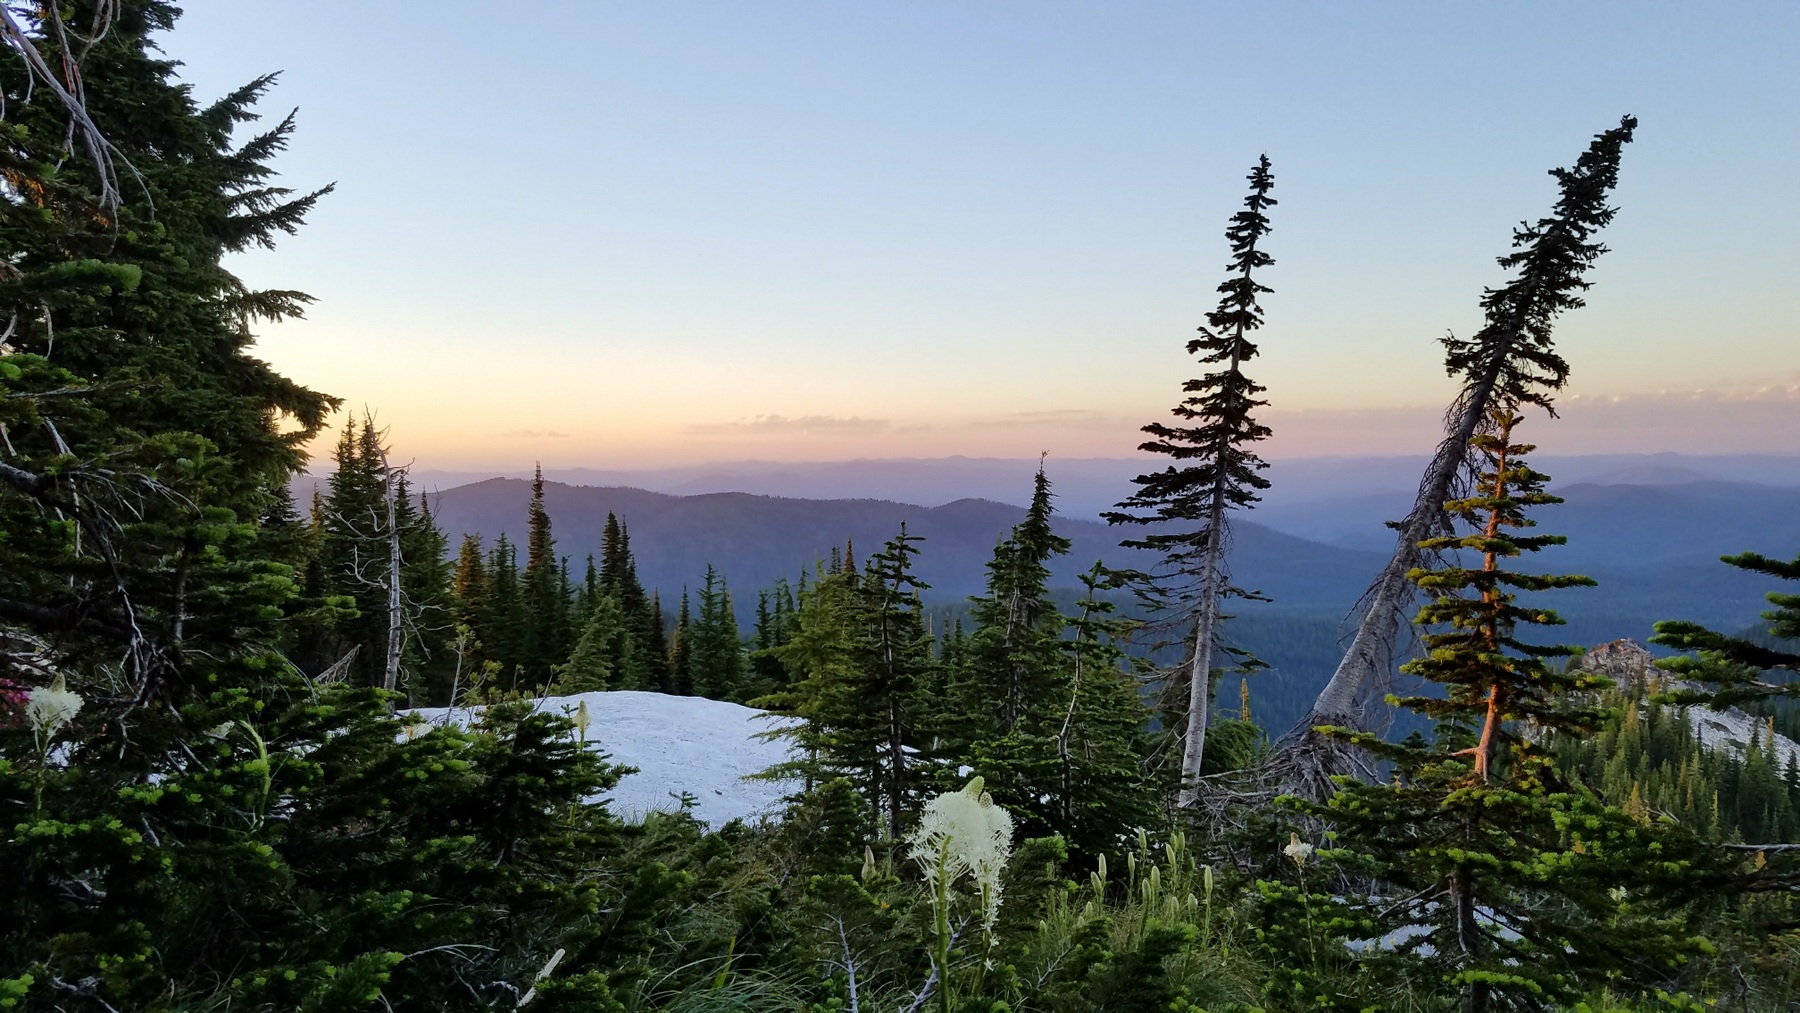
x: 390, y: 673
x: 1372, y: 649
x: 1200, y: 663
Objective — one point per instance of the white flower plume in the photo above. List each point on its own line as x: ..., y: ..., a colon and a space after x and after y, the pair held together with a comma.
x: 49, y: 708
x: 1297, y: 849
x: 964, y: 833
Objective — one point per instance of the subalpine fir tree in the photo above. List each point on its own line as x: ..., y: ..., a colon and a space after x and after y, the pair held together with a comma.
x: 469, y: 585
x: 1101, y: 791
x: 544, y: 594
x: 656, y: 647
x: 774, y: 626
x: 715, y: 651
x: 428, y: 577
x: 681, y: 662
x: 1215, y: 471
x: 893, y: 654
x: 607, y: 655
x: 819, y: 656
x: 1053, y: 734
x: 1511, y: 361
x: 212, y: 829
x: 354, y: 551
x: 1515, y: 887
x: 1016, y: 650
x: 506, y: 618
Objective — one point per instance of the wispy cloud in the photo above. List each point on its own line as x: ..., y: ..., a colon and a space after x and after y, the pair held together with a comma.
x: 1753, y: 390
x: 1048, y: 417
x: 809, y: 425
x: 534, y: 434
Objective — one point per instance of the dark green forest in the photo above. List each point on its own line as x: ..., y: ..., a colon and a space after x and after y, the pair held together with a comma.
x: 1069, y: 799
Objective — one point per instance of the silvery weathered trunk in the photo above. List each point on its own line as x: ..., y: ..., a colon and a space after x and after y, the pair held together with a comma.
x: 390, y: 676
x: 1372, y: 649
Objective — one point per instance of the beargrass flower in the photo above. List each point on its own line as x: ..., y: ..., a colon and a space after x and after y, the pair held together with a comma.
x: 49, y: 708
x: 963, y: 833
x: 1297, y: 849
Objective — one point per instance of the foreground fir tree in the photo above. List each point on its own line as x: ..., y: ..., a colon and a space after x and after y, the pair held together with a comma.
x: 196, y: 824
x: 1498, y: 878
x: 1510, y: 362
x: 1215, y: 471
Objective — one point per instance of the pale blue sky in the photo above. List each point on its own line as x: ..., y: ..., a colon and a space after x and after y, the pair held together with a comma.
x: 621, y: 234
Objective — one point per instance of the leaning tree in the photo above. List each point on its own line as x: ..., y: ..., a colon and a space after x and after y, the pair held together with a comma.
x: 1509, y: 363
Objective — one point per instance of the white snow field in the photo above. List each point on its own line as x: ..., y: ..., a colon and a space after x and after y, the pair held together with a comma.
x: 678, y: 743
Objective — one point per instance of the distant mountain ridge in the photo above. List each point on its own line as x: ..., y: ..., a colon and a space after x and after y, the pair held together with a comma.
x: 1086, y: 486
x: 754, y: 540
x: 1654, y: 549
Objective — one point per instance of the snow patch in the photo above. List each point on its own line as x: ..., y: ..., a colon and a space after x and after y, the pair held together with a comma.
x: 677, y: 743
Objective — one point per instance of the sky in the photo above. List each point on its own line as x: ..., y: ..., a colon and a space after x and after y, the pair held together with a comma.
x: 662, y: 233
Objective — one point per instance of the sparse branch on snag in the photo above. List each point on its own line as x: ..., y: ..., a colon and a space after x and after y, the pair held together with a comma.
x: 67, y: 86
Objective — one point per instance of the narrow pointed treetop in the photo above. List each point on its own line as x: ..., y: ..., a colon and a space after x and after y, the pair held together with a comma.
x: 1510, y: 362
x: 1215, y: 464
x: 1215, y: 470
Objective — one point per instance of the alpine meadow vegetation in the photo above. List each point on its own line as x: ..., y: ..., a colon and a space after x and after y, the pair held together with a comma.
x: 218, y: 790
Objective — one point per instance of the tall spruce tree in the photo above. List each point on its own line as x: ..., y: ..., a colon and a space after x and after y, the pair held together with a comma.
x: 1216, y: 471
x: 1510, y: 362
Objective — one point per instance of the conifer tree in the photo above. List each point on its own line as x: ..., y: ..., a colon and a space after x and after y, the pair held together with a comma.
x: 1215, y: 473
x: 656, y: 647
x: 607, y: 655
x: 1101, y: 790
x: 219, y: 831
x: 893, y: 655
x: 715, y: 651
x: 470, y: 585
x: 1016, y: 650
x: 1732, y: 669
x: 589, y: 591
x: 428, y: 578
x: 1510, y: 362
x: 506, y: 616
x: 681, y: 663
x: 819, y: 656
x: 774, y: 611
x: 1527, y: 889
x: 544, y: 595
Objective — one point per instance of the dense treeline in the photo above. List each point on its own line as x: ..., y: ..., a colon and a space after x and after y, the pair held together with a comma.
x: 213, y: 795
